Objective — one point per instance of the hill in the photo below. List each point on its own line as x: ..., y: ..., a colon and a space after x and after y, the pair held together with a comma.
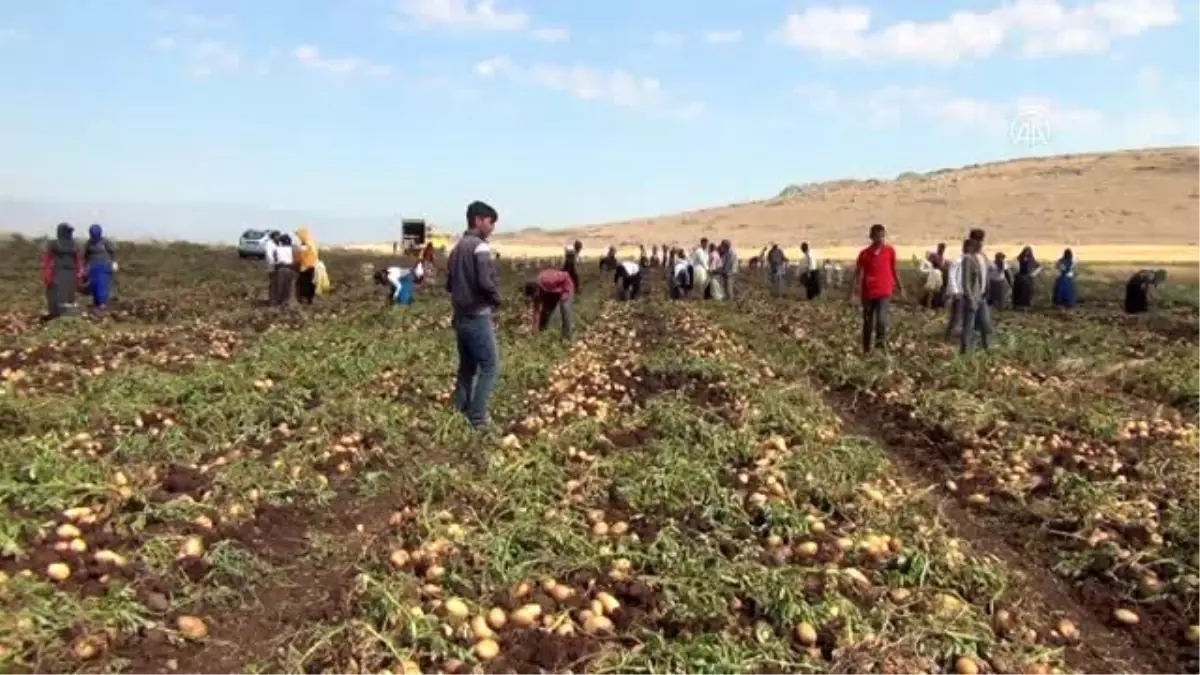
x: 1146, y: 199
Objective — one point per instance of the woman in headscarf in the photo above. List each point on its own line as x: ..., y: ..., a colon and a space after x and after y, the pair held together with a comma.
x: 999, y: 282
x: 99, y: 263
x: 428, y: 258
x: 1027, y: 269
x: 306, y: 263
x: 1140, y: 290
x: 1064, y: 285
x: 62, y: 270
x: 937, y: 259
x: 609, y: 262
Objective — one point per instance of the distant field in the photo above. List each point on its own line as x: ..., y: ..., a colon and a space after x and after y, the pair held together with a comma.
x: 1087, y: 253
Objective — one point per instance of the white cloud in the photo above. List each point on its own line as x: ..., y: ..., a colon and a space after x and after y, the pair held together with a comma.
x: 9, y: 34
x: 211, y: 57
x: 819, y: 97
x: 165, y: 44
x: 1039, y: 27
x: 483, y: 15
x: 310, y: 57
x: 203, y: 22
x: 588, y: 83
x: 552, y: 34
x: 494, y: 66
x: 1156, y: 127
x: 925, y: 106
x: 666, y: 38
x: 720, y: 37
x: 473, y: 16
x: 1150, y: 77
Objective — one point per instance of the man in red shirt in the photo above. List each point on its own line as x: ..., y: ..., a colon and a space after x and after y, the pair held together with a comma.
x: 876, y: 278
x: 553, y: 288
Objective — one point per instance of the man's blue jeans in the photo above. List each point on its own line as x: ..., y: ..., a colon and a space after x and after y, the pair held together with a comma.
x: 478, y: 366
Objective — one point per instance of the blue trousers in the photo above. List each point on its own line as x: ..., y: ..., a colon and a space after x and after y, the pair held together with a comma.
x: 405, y: 291
x: 99, y: 277
x: 478, y: 366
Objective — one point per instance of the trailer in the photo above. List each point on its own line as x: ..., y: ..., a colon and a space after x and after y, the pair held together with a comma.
x: 415, y: 233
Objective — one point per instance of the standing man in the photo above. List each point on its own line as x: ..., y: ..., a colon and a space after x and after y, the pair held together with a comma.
x: 474, y: 293
x: 811, y: 276
x: 876, y: 279
x: 973, y: 301
x: 776, y: 267
x: 571, y: 260
x: 729, y: 263
x: 700, y: 272
x: 281, y: 261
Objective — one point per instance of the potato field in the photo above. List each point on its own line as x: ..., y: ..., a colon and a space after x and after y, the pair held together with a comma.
x: 193, y: 482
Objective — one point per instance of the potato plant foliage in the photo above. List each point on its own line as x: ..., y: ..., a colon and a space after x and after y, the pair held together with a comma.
x: 192, y: 482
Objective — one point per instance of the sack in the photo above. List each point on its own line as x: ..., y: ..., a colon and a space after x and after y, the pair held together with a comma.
x: 322, y: 279
x: 933, y: 281
x: 718, y: 293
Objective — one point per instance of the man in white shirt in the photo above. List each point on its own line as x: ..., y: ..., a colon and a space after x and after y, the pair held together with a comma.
x: 953, y: 294
x: 281, y: 269
x: 628, y: 280
x: 810, y: 274
x: 700, y: 255
x: 700, y: 272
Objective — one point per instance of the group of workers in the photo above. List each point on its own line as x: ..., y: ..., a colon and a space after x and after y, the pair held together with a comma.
x: 970, y: 286
x: 708, y: 271
x: 1007, y: 284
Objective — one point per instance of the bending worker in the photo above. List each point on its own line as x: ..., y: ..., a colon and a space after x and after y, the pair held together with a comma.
x: 401, y: 283
x: 552, y: 289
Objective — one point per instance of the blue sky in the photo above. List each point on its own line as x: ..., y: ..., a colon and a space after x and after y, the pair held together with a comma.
x: 564, y: 112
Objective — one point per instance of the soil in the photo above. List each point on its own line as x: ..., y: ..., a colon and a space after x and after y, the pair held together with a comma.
x: 538, y: 651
